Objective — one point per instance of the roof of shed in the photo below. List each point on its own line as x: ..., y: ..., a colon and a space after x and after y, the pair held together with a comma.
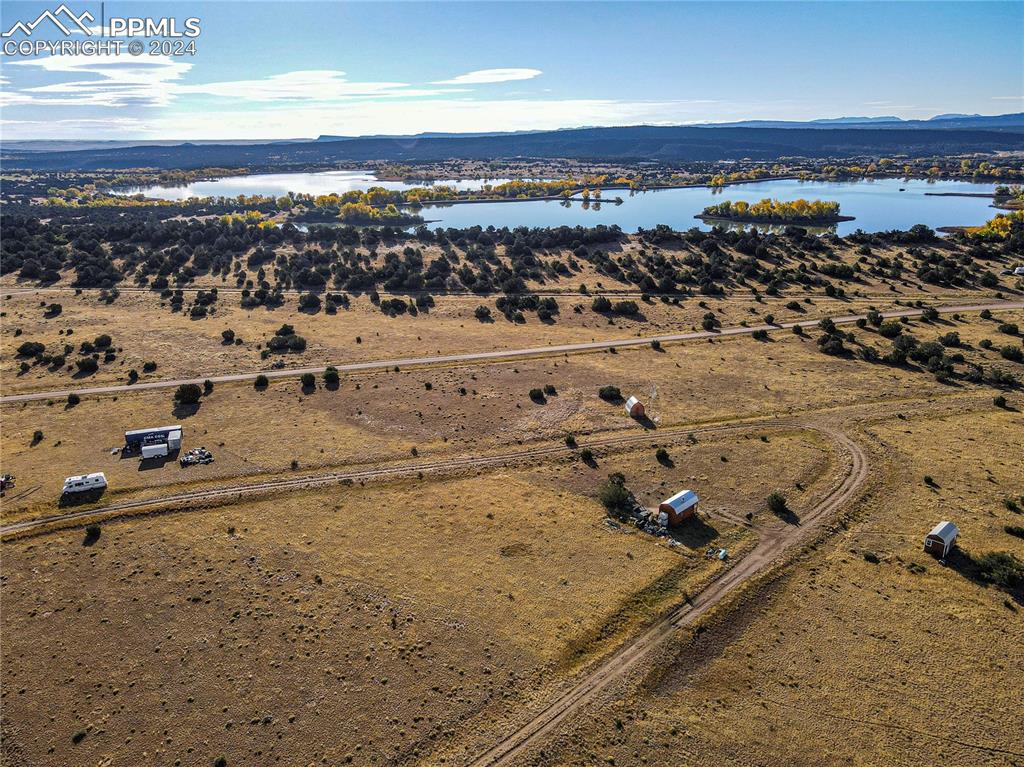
x: 682, y: 500
x: 947, y: 531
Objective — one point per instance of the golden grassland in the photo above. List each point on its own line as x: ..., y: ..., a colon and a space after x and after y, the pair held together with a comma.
x: 193, y: 348
x: 187, y: 348
x: 382, y: 417
x: 397, y: 621
x: 868, y: 652
x: 354, y: 625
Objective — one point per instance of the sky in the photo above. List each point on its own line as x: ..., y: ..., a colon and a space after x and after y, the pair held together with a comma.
x: 275, y: 70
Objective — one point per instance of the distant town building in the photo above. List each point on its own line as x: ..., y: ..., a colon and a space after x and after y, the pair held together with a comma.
x: 680, y: 506
x: 635, y: 408
x: 941, y: 539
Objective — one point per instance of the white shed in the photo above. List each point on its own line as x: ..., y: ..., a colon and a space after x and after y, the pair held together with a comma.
x: 941, y: 539
x: 680, y: 506
x: 635, y: 408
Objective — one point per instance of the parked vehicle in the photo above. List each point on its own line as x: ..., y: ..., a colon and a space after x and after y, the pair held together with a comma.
x: 85, y: 482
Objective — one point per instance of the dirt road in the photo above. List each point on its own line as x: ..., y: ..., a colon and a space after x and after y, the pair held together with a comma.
x: 774, y: 541
x: 510, y: 354
x: 771, y: 546
x: 237, y: 491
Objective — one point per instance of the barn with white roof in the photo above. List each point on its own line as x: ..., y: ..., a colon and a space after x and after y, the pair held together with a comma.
x: 680, y: 506
x: 941, y: 539
x: 635, y: 408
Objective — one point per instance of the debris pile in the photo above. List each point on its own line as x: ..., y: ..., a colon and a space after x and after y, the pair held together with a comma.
x: 197, y: 455
x: 651, y: 522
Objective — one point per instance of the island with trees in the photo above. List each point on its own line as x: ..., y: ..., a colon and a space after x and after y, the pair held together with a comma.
x: 1009, y: 197
x: 810, y: 212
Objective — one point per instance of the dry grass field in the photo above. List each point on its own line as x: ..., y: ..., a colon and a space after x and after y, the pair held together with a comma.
x: 868, y: 651
x: 414, y: 619
x: 356, y: 625
x: 187, y: 348
x: 194, y: 348
x: 376, y: 418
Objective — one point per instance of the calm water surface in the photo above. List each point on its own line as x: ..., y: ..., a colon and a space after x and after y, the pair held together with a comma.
x: 876, y: 204
x: 278, y: 184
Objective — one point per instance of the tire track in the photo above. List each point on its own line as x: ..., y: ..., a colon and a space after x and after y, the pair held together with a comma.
x: 768, y: 550
x: 238, y: 491
x: 493, y: 356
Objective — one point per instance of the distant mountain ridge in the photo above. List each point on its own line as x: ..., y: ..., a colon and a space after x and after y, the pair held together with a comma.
x: 1013, y: 122
x: 78, y: 145
x: 633, y: 143
x: 428, y: 134
x: 21, y: 149
x: 855, y: 120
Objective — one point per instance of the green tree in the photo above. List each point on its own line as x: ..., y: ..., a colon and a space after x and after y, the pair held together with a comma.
x: 616, y: 499
x: 188, y: 394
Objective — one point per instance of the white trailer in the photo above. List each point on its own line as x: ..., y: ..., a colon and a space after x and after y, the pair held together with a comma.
x: 159, y: 450
x: 85, y: 482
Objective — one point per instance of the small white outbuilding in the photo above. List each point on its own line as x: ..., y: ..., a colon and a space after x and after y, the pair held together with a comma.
x: 941, y: 539
x: 635, y: 408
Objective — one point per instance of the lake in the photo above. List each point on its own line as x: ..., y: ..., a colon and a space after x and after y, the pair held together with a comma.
x: 279, y: 184
x: 876, y: 204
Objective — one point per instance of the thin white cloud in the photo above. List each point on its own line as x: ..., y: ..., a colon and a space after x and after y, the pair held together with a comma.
x: 369, y: 117
x: 74, y: 128
x: 116, y: 81
x: 483, y: 76
x: 305, y: 85
x: 1008, y: 98
x: 155, y: 81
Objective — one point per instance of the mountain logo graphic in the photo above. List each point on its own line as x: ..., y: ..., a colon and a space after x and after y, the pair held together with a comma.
x: 67, y: 26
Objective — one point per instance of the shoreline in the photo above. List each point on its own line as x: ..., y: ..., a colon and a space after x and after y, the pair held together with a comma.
x: 611, y: 188
x: 776, y: 222
x: 982, y: 195
x: 574, y: 195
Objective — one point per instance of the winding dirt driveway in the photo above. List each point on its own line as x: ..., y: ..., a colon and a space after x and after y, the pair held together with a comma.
x: 774, y: 542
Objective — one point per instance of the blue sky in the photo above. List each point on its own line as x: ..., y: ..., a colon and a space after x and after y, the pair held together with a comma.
x: 299, y: 69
